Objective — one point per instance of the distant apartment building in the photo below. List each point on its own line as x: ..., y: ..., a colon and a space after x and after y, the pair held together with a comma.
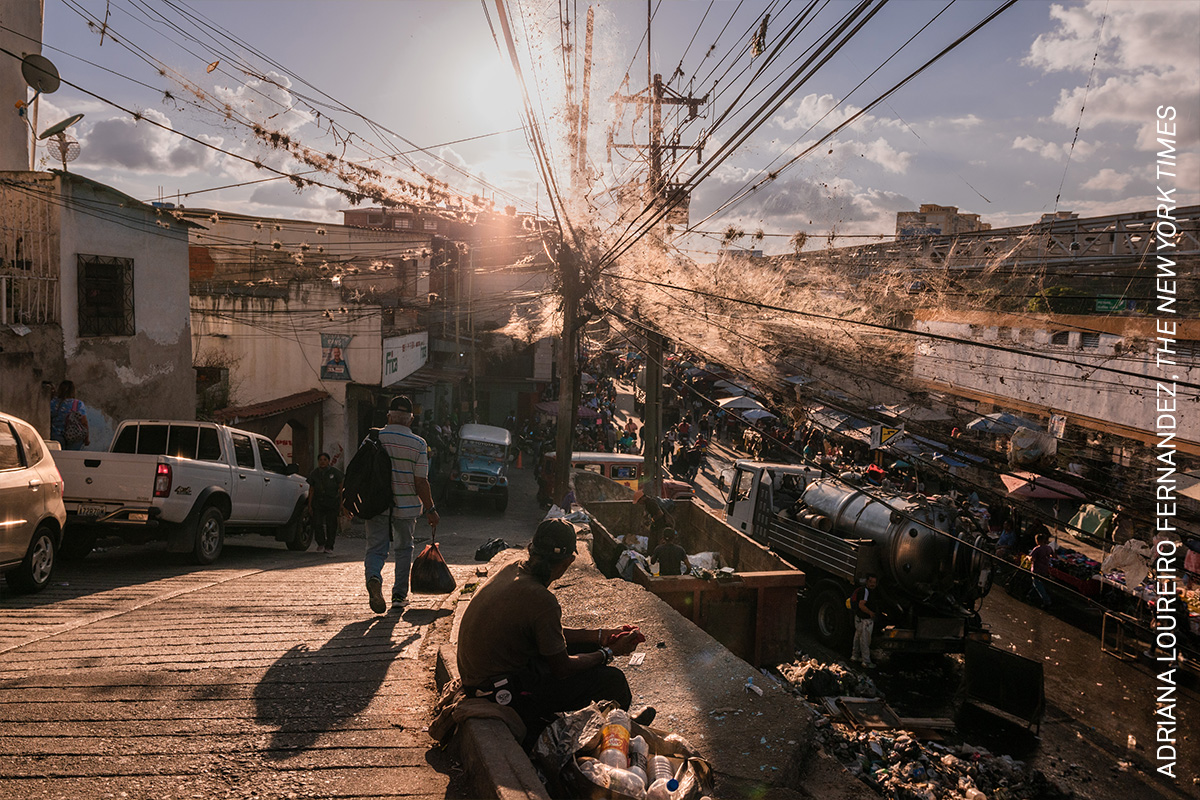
x: 934, y: 220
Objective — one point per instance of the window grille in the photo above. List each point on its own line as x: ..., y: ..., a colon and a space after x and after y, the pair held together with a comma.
x: 105, y: 296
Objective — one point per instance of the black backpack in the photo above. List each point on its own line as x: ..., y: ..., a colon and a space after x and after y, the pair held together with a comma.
x: 367, y: 488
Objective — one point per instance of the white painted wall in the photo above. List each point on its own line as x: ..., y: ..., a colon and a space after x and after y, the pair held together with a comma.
x: 150, y: 373
x: 272, y: 346
x: 1077, y: 386
x: 24, y: 19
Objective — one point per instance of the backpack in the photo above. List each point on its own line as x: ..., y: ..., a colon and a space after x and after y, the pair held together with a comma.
x: 75, y: 425
x: 367, y: 488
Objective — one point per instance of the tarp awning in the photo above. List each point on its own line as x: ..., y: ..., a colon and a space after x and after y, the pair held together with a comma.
x: 1037, y: 487
x: 270, y: 408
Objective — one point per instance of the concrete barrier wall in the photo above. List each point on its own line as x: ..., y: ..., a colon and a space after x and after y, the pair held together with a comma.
x: 700, y: 532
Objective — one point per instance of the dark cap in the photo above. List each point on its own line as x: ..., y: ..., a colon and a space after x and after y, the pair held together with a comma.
x: 401, y: 403
x: 554, y: 540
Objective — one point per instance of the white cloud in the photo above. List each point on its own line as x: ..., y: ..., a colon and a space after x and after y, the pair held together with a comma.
x: 886, y: 156
x: 1055, y: 151
x: 268, y: 103
x: 1137, y: 36
x: 144, y: 147
x: 812, y: 109
x: 1107, y: 180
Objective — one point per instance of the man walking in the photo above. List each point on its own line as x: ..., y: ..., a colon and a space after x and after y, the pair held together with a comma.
x: 325, y: 501
x: 411, y: 494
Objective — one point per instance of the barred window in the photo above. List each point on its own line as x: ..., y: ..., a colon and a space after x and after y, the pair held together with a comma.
x: 105, y: 296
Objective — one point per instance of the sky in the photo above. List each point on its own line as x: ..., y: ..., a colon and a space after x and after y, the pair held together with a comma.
x: 1049, y: 107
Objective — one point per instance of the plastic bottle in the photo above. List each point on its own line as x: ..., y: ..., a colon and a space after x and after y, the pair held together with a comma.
x: 614, y: 740
x: 662, y: 789
x: 622, y: 781
x: 661, y: 769
x: 639, y: 751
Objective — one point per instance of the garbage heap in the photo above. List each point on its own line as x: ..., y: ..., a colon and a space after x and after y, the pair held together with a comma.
x: 897, y: 764
x: 900, y: 767
x: 816, y: 679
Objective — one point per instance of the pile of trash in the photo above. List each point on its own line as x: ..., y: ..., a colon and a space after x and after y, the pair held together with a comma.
x: 816, y: 679
x: 902, y: 768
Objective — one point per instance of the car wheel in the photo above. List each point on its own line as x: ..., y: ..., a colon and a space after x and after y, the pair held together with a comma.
x: 502, y: 503
x: 77, y: 542
x: 831, y: 620
x: 210, y: 536
x: 36, y: 568
x: 301, y: 529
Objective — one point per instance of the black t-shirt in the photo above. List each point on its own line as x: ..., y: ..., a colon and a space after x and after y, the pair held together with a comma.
x: 867, y: 596
x: 669, y: 557
x: 326, y: 484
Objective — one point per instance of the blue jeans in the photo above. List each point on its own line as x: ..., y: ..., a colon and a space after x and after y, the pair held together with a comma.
x: 378, y: 545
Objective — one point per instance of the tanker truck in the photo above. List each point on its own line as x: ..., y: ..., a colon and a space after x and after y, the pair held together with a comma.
x: 932, y: 575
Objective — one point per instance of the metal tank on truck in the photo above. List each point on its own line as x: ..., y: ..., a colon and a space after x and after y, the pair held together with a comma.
x: 932, y: 576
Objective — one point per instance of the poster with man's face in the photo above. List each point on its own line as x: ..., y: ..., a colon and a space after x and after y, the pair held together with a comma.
x: 333, y: 357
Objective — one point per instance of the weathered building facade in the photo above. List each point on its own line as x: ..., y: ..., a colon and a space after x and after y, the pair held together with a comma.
x: 93, y: 288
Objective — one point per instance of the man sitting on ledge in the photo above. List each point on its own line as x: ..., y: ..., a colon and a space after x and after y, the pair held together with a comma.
x: 513, y: 649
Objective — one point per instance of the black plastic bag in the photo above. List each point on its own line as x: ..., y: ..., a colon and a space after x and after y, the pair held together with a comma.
x: 489, y: 549
x: 429, y: 574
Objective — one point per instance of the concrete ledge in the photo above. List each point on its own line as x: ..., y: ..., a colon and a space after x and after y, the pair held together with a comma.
x: 496, y: 765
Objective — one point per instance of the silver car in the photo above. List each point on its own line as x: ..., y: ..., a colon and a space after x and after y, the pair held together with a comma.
x: 31, y: 506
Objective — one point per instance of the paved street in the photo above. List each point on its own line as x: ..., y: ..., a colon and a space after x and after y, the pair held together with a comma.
x: 265, y: 675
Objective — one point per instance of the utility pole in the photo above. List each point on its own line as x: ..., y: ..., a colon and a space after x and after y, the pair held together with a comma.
x: 572, y: 291
x: 660, y: 196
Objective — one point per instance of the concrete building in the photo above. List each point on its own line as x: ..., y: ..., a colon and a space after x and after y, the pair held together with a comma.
x: 303, y: 331
x: 93, y: 288
x: 935, y: 220
x: 1058, y: 365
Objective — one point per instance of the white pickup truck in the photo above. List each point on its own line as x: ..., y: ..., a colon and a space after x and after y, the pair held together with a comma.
x: 183, y: 482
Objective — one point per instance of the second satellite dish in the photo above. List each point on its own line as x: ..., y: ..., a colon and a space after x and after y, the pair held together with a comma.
x: 59, y: 127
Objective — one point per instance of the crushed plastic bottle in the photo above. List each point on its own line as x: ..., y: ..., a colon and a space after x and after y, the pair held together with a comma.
x: 618, y: 781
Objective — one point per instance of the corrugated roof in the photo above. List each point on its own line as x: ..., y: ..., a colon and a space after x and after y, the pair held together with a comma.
x: 272, y: 407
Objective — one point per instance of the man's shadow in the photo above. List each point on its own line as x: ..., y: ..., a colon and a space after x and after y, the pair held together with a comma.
x: 307, y: 693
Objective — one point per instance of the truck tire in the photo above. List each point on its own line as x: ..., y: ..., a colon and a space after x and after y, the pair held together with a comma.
x: 78, y: 541
x: 832, y: 621
x: 299, y: 530
x: 210, y: 536
x: 37, y: 567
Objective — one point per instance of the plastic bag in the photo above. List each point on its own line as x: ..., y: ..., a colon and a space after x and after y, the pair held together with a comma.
x: 489, y: 549
x: 577, y: 734
x: 429, y: 574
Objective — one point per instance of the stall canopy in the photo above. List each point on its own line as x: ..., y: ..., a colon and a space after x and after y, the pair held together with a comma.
x: 1035, y: 487
x: 729, y: 387
x: 753, y: 414
x: 738, y: 403
x: 1001, y: 422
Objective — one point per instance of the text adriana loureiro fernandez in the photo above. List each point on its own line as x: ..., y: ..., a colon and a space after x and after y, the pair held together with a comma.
x: 1166, y: 556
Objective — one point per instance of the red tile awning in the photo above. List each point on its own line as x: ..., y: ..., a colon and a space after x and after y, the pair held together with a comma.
x: 271, y: 407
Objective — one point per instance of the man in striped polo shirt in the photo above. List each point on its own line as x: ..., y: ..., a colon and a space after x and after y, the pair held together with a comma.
x: 411, y: 495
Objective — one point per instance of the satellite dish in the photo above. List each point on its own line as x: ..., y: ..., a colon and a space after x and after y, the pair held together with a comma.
x: 59, y: 127
x: 40, y: 73
x: 64, y: 147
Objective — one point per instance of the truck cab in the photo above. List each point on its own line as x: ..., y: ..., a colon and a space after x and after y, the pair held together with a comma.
x: 482, y: 454
x: 766, y: 487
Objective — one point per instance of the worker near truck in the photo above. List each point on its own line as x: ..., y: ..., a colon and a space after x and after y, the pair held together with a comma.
x: 865, y: 610
x: 514, y: 650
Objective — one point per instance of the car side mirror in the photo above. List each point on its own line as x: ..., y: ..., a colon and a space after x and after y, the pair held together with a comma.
x: 512, y: 457
x: 292, y: 469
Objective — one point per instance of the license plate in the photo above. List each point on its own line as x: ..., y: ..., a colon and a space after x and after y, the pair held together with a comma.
x: 90, y: 511
x: 471, y: 488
